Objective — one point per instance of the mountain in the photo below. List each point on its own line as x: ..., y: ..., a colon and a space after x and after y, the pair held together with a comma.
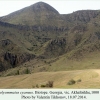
x: 36, y: 14
x: 40, y: 39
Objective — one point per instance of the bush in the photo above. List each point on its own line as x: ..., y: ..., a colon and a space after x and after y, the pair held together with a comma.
x: 49, y: 84
x: 9, y: 74
x: 43, y: 85
x: 33, y: 86
x: 37, y: 86
x: 79, y: 80
x: 17, y: 72
x: 27, y: 71
x: 71, y: 82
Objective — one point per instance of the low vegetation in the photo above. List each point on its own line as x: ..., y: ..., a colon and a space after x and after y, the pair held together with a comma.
x: 51, y: 46
x: 17, y: 73
x: 23, y: 38
x: 27, y: 71
x: 79, y: 80
x: 49, y: 84
x: 71, y: 82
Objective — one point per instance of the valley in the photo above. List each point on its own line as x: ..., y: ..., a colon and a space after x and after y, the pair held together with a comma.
x: 38, y: 43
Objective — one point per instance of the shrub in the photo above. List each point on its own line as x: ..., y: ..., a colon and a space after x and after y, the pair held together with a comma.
x: 27, y: 71
x: 33, y: 86
x: 43, y: 85
x: 71, y: 82
x: 9, y: 74
x: 17, y: 72
x: 45, y: 62
x: 37, y: 86
x: 49, y: 84
x: 79, y: 80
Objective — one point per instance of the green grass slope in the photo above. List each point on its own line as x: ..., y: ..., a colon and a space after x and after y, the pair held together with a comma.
x: 38, y: 33
x: 37, y: 14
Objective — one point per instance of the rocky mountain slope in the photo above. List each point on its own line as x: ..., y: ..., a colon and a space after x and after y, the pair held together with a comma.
x: 36, y: 14
x: 39, y: 32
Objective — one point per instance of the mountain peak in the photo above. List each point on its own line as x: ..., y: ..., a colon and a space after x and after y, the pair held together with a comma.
x: 42, y: 6
x: 39, y: 13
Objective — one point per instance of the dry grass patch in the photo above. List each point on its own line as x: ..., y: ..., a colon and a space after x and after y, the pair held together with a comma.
x: 89, y: 79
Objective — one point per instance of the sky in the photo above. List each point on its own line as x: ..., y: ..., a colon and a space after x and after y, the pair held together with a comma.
x: 62, y: 6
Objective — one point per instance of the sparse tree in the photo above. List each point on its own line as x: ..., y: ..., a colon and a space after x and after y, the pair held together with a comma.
x: 17, y: 73
x: 27, y: 71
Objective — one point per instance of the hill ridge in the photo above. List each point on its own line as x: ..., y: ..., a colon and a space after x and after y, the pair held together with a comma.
x: 37, y: 13
x: 46, y: 36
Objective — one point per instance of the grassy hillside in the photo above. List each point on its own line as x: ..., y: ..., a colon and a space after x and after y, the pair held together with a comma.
x: 89, y: 79
x: 40, y: 39
x: 20, y: 44
x: 36, y: 14
x: 37, y: 45
x: 62, y: 63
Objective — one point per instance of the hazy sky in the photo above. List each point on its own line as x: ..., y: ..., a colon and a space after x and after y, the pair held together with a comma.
x: 62, y: 6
